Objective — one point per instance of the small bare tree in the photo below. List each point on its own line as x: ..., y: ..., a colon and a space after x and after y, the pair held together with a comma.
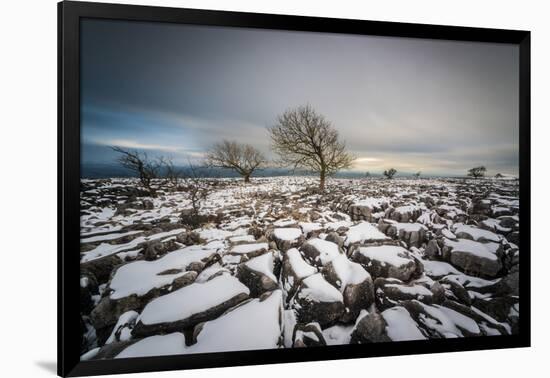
x: 171, y: 172
x: 390, y: 173
x: 197, y: 188
x: 304, y: 139
x: 140, y: 164
x: 242, y: 158
x: 477, y: 172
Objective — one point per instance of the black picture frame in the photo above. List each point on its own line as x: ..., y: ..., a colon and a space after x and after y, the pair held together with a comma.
x: 69, y: 16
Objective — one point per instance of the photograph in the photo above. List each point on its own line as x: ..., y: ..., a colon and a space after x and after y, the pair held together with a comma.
x: 246, y: 189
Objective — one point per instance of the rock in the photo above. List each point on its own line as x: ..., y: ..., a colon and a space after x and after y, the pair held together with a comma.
x: 257, y: 274
x: 184, y: 308
x: 187, y: 279
x: 100, y: 269
x: 370, y: 329
x: 308, y: 335
x: 286, y: 238
x: 400, y: 325
x: 498, y: 308
x: 123, y: 328
x: 404, y: 214
x: 366, y: 208
x: 390, y: 291
x: 354, y: 282
x: 475, y: 258
x: 433, y: 251
x: 387, y: 261
x: 294, y: 269
x: 317, y: 301
x: 413, y: 234
x: 320, y: 252
x: 336, y: 239
x: 456, y: 288
x: 441, y: 321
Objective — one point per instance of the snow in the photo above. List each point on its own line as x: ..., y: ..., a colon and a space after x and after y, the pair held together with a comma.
x: 253, y: 325
x: 438, y: 268
x: 349, y: 273
x: 192, y: 299
x: 242, y: 238
x: 299, y: 266
x: 338, y: 334
x: 162, y: 345
x: 284, y: 222
x: 327, y: 250
x: 140, y: 277
x: 307, y: 227
x: 289, y: 322
x: 409, y: 227
x: 388, y: 254
x: 362, y: 232
x: 400, y: 325
x: 105, y: 249
x: 371, y: 203
x: 484, y: 250
x: 263, y: 264
x: 417, y: 290
x: 448, y: 234
x: 289, y: 234
x: 319, y: 290
x: 127, y: 317
x: 447, y: 321
x: 476, y: 233
x: 248, y: 248
x: 469, y: 281
x: 114, y: 236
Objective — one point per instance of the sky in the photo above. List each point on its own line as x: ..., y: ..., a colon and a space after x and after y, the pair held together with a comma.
x: 439, y: 107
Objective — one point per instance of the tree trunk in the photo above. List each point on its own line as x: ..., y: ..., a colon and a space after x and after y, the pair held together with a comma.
x: 246, y: 178
x: 322, y: 181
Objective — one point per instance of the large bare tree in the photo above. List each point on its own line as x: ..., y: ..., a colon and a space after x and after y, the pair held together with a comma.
x: 305, y: 139
x: 140, y: 164
x: 242, y: 158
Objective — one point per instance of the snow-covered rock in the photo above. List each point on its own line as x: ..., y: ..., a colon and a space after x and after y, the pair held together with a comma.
x: 191, y: 305
x: 387, y: 261
x: 317, y: 300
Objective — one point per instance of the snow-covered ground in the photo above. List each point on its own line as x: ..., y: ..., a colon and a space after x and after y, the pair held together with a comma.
x: 276, y: 264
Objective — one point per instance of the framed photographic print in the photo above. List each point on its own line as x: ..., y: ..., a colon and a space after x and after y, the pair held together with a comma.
x: 240, y: 188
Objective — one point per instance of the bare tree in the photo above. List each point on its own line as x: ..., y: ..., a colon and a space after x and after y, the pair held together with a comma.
x: 171, y: 172
x: 242, y: 158
x: 477, y: 172
x: 390, y: 173
x: 304, y: 139
x: 417, y: 174
x: 197, y: 188
x: 140, y: 164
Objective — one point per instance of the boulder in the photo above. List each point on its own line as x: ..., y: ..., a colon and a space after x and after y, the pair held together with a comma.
x: 370, y: 329
x: 388, y: 261
x: 308, y: 335
x: 475, y: 258
x: 391, y: 291
x: 317, y: 301
x: 191, y: 305
x: 286, y: 238
x: 354, y: 282
x: 320, y: 252
x: 294, y: 269
x: 257, y: 274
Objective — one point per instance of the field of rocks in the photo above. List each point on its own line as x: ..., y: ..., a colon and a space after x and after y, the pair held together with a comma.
x: 276, y: 264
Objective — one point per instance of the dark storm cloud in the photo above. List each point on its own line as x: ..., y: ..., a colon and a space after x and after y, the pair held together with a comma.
x: 435, y: 106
